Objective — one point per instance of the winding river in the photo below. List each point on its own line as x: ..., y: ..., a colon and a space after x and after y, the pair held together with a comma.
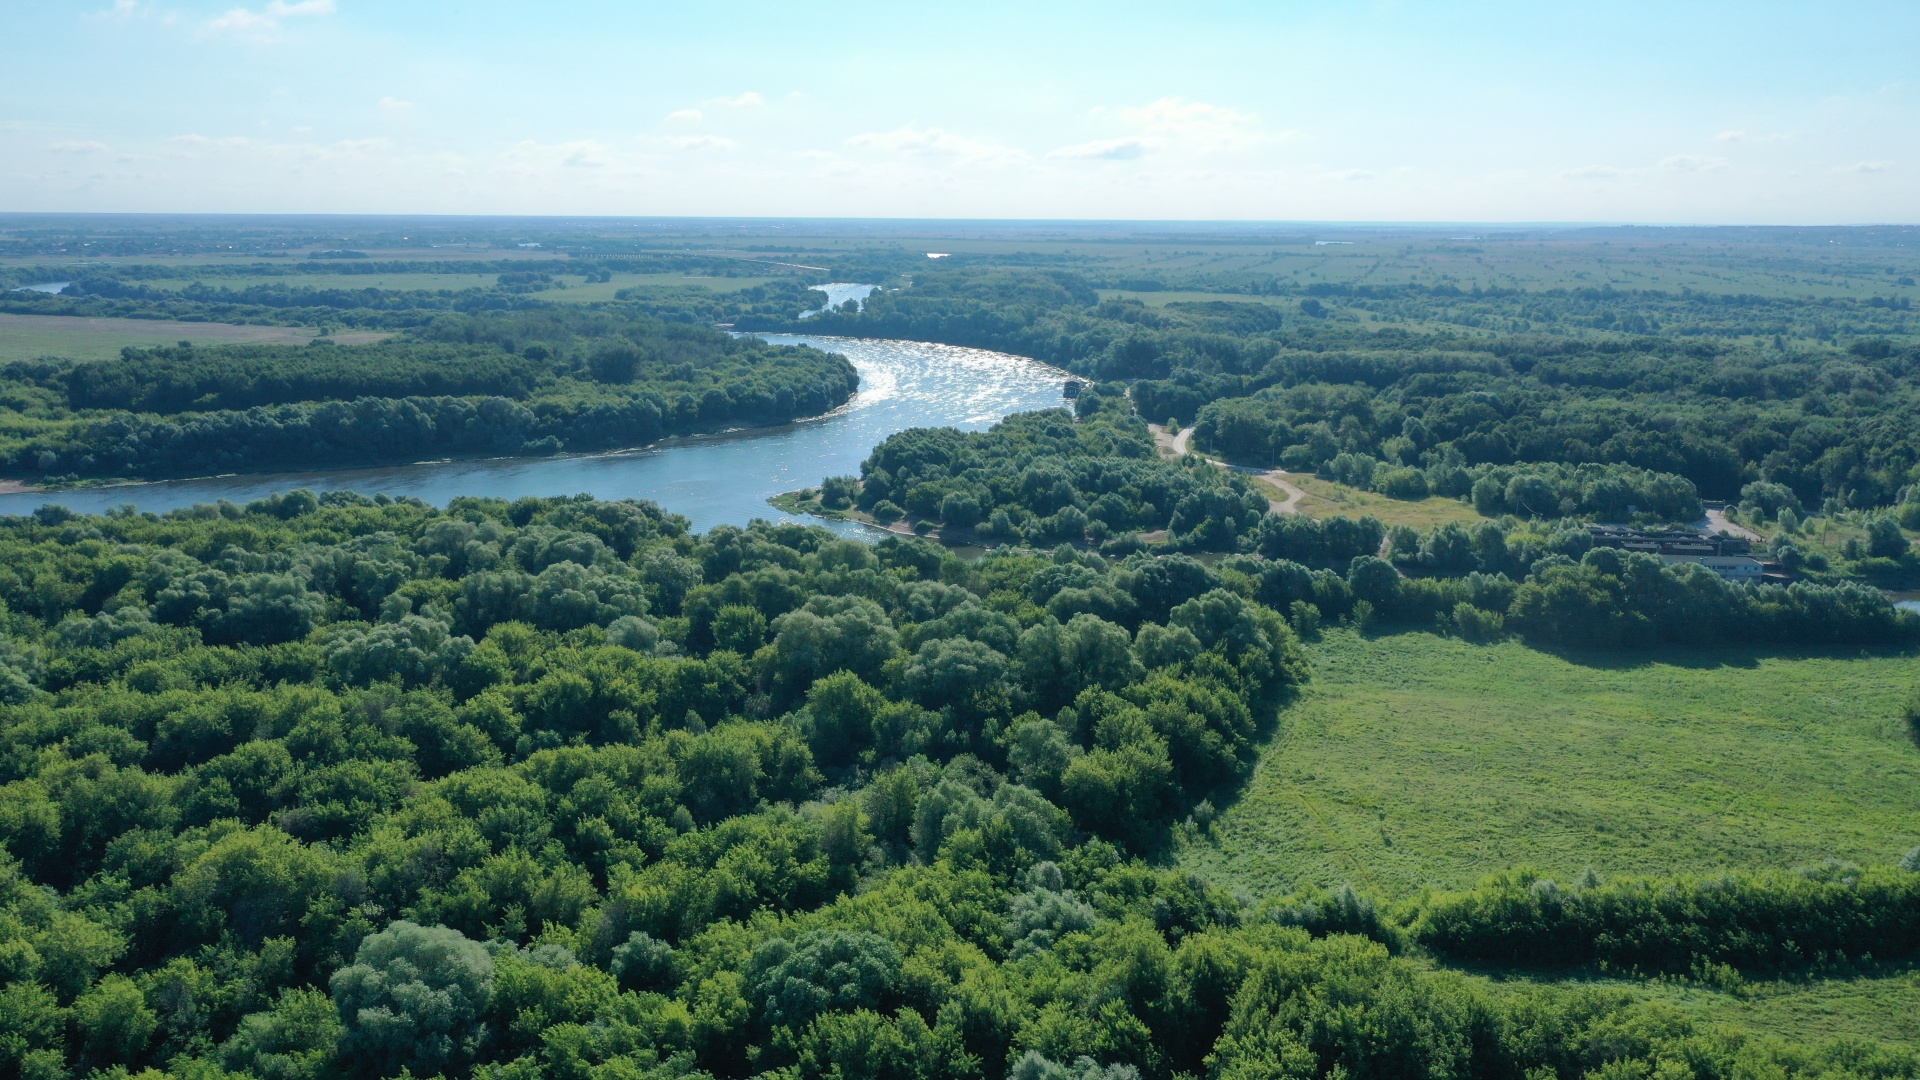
x: 712, y: 479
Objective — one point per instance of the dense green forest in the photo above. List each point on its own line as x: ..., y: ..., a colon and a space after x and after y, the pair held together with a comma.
x: 1300, y: 386
x: 346, y: 786
x: 1044, y: 478
x: 536, y: 382
x: 552, y: 788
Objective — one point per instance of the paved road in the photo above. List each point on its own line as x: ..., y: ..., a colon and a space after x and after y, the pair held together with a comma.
x: 1174, y: 446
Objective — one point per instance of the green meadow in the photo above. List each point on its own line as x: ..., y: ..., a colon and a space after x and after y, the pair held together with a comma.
x: 29, y: 337
x: 588, y: 292
x: 1325, y: 498
x: 577, y: 291
x: 1414, y: 760
x: 402, y: 281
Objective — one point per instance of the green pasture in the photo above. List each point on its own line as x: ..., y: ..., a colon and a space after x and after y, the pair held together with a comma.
x: 1162, y: 299
x: 577, y: 290
x: 429, y: 282
x: 29, y: 337
x: 1324, y: 498
x: 654, y: 285
x: 1415, y: 760
x: 1880, y: 1003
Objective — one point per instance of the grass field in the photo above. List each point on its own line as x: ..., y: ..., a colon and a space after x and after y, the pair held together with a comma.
x: 29, y: 337
x: 577, y: 293
x: 1881, y: 1004
x: 1415, y: 760
x: 1328, y: 499
x: 451, y: 282
x: 1162, y: 299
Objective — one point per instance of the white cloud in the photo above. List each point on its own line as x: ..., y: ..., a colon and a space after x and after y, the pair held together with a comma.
x: 203, y: 142
x: 933, y: 142
x: 1867, y: 167
x: 1131, y: 148
x: 78, y: 146
x: 395, y: 105
x: 355, y: 150
x: 1351, y: 174
x: 264, y: 22
x: 581, y: 154
x: 587, y: 155
x: 1592, y: 172
x: 748, y: 100
x: 685, y: 116
x: 1689, y: 163
x: 689, y: 143
x: 1196, y: 124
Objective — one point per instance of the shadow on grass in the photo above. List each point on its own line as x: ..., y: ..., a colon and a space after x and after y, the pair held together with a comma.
x: 1266, y: 728
x: 1748, y: 982
x: 1696, y: 657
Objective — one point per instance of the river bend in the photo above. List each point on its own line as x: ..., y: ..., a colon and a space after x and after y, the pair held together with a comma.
x: 712, y: 479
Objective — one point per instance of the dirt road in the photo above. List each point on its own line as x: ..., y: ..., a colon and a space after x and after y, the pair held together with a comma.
x: 1717, y: 522
x: 1177, y: 445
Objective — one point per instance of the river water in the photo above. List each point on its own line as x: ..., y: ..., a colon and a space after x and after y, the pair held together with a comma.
x: 839, y: 293
x: 712, y: 479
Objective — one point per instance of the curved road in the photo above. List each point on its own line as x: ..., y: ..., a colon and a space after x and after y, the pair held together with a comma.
x: 1174, y: 446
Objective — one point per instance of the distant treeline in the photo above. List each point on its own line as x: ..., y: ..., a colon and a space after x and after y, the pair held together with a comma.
x: 537, y: 383
x: 396, y: 310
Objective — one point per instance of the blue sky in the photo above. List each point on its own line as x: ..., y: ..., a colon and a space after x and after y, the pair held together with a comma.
x: 1625, y: 111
